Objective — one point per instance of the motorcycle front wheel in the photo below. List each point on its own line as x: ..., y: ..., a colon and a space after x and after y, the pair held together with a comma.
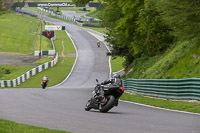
x: 88, y: 105
x: 108, y: 105
x: 44, y: 85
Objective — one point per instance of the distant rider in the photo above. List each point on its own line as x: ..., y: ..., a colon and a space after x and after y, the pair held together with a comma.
x: 45, y: 79
x: 98, y: 43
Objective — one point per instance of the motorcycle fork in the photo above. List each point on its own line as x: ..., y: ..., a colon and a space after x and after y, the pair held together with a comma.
x: 94, y: 103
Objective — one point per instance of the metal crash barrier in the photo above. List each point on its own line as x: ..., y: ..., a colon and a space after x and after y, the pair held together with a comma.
x: 165, y: 88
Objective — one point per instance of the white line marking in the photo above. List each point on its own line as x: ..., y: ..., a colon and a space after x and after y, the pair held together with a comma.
x: 160, y: 108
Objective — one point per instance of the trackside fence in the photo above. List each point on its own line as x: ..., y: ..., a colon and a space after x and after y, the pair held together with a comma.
x: 165, y: 88
x: 28, y: 74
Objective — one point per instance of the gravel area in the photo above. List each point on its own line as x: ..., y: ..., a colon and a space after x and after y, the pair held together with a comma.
x: 17, y: 59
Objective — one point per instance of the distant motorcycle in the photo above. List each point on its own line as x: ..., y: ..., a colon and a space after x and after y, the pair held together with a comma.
x: 98, y: 44
x: 108, y: 102
x: 44, y: 84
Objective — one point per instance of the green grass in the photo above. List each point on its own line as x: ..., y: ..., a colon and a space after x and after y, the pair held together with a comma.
x: 62, y: 39
x: 94, y: 14
x: 168, y: 104
x: 45, y: 43
x: 101, y: 30
x: 13, y: 127
x: 55, y: 74
x: 14, y: 71
x: 117, y: 63
x: 180, y: 61
x: 43, y: 60
x: 17, y: 33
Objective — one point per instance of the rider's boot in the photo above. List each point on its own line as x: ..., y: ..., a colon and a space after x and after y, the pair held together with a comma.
x: 116, y: 102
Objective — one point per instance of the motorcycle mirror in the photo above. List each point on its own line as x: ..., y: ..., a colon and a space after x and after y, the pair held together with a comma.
x: 97, y: 80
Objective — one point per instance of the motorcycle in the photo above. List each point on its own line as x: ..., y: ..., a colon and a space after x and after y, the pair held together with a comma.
x: 109, y: 100
x: 98, y: 44
x: 44, y: 84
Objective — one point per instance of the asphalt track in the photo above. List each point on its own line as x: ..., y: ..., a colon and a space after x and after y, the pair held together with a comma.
x: 62, y: 107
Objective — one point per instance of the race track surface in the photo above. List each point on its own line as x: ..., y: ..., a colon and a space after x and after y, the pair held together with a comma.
x: 62, y: 107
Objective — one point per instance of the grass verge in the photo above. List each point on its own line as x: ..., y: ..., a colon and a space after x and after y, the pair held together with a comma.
x: 8, y: 72
x: 55, y: 74
x: 13, y: 127
x: 117, y: 63
x: 163, y: 103
x: 18, y: 33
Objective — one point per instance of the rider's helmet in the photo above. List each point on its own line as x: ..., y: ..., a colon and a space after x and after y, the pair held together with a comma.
x: 117, y: 80
x: 116, y: 76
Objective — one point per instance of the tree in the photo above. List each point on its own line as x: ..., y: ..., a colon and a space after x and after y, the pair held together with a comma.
x: 1, y: 5
x: 152, y: 35
x: 183, y: 16
x: 120, y: 16
x: 6, y: 5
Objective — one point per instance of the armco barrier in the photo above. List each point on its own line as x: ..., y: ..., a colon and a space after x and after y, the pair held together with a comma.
x: 27, y: 75
x: 165, y: 88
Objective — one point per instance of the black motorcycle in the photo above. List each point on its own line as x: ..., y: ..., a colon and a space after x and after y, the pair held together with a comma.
x: 110, y: 97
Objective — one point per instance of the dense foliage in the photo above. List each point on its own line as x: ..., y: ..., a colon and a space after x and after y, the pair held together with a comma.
x: 183, y: 16
x: 136, y: 28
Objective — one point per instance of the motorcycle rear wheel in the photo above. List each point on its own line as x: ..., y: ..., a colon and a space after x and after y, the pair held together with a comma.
x: 108, y: 105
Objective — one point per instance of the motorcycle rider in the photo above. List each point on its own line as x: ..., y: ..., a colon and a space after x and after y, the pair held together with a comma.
x: 98, y: 43
x: 115, y: 83
x: 45, y: 79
